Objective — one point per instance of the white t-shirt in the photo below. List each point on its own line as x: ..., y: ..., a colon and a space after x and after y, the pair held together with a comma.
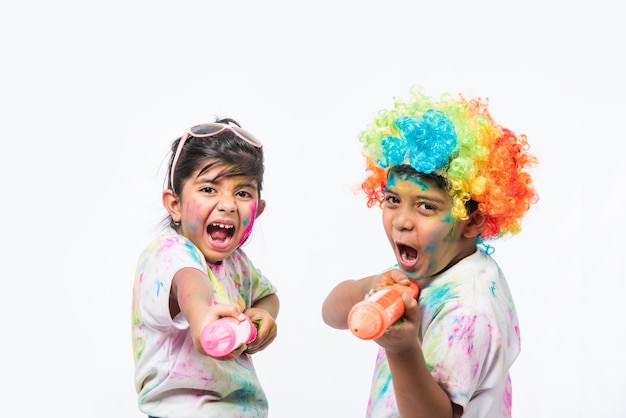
x: 172, y: 378
x: 470, y: 338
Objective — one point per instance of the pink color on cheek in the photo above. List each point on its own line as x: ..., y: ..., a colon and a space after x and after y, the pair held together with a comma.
x: 194, y: 216
x: 249, y: 222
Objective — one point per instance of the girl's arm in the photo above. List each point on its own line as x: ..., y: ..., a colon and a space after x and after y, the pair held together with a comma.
x: 192, y: 294
x: 269, y: 303
x: 263, y: 314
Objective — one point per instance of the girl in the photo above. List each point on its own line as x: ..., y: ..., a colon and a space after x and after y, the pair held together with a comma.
x: 196, y: 272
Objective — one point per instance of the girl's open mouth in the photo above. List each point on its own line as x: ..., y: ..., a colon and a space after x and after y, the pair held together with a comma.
x: 221, y: 232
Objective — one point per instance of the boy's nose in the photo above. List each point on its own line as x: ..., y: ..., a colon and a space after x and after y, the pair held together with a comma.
x: 402, y: 221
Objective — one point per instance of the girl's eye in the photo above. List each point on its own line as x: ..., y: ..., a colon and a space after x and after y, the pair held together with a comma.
x: 208, y: 189
x: 243, y: 193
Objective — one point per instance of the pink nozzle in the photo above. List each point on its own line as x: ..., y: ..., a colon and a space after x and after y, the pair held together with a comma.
x: 219, y: 338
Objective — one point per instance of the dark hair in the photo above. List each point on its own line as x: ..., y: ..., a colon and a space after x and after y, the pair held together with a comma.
x: 242, y: 158
x: 433, y: 179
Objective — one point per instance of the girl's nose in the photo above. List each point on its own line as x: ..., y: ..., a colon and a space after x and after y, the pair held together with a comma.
x: 226, y: 205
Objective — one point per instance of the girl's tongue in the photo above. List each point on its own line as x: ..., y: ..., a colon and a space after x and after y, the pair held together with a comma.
x: 220, y: 232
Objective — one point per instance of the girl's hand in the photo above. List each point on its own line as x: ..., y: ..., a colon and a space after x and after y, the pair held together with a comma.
x: 266, y: 329
x: 234, y: 354
x: 210, y: 314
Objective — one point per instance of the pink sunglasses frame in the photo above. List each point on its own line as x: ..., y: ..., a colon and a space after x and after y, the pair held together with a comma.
x: 220, y: 127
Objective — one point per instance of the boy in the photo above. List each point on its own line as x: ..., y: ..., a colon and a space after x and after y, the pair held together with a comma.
x: 448, y: 178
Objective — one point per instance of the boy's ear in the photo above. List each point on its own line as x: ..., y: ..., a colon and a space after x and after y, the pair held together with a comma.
x: 475, y: 225
x: 171, y: 204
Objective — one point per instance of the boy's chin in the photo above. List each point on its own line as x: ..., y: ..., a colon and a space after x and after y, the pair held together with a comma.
x: 410, y: 274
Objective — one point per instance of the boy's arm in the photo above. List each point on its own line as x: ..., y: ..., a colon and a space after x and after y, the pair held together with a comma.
x: 346, y: 294
x: 342, y: 298
x: 417, y: 394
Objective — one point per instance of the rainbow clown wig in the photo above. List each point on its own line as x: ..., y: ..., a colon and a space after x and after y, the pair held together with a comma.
x: 456, y: 139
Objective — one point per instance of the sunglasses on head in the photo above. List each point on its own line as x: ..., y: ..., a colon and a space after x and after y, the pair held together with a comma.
x: 207, y: 130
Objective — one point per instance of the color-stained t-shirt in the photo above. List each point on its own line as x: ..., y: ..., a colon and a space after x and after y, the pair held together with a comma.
x: 470, y: 338
x: 172, y: 378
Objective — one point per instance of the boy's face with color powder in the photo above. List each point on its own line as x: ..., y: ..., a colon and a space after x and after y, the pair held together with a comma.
x: 424, y: 236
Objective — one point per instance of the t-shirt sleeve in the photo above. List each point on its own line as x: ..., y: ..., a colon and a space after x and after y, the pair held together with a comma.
x: 261, y: 286
x: 250, y: 281
x: 156, y: 268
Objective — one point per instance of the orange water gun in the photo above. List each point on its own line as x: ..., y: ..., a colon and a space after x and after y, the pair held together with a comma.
x: 370, y: 318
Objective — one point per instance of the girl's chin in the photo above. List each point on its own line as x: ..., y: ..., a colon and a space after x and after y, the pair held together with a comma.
x: 216, y: 256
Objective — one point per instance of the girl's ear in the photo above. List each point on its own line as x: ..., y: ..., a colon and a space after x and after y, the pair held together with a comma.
x: 172, y: 204
x: 475, y: 225
x: 260, y: 208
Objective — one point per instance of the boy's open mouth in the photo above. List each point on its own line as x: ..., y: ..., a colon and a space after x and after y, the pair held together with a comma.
x: 221, y: 232
x: 407, y: 254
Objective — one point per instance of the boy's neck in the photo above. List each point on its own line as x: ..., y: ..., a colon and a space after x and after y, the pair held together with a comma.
x: 425, y: 281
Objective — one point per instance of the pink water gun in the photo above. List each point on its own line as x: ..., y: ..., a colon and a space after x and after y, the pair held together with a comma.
x: 370, y: 318
x: 222, y: 336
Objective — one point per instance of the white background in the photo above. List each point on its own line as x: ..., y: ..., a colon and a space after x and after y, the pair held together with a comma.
x: 93, y: 93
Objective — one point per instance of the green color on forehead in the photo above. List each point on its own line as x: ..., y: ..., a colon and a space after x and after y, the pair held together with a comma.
x: 394, y: 178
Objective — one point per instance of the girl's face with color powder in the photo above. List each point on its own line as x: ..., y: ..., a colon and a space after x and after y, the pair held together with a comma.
x: 216, y: 211
x: 426, y: 239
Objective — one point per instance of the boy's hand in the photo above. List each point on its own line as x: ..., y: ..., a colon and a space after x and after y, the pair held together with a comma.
x: 403, y: 334
x: 266, y: 329
x: 390, y: 278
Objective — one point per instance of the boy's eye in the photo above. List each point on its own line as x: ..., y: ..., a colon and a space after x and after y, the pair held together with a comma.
x: 426, y: 207
x: 391, y: 199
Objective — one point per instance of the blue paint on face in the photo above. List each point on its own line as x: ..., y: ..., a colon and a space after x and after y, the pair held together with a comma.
x: 449, y: 218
